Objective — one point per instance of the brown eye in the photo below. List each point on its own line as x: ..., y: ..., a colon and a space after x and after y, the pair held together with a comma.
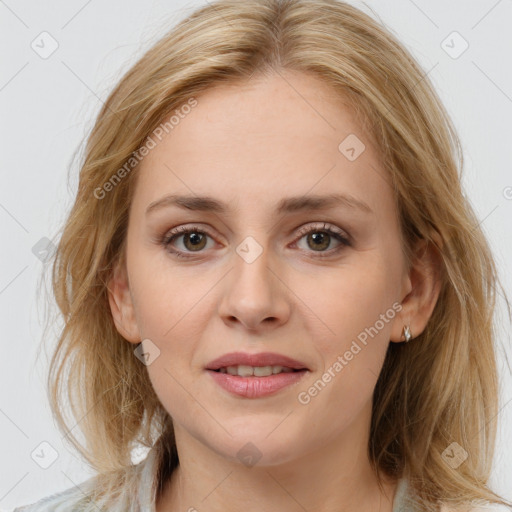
x: 319, y: 238
x: 193, y: 239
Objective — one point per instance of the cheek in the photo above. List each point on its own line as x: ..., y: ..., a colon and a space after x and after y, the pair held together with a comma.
x: 169, y: 300
x: 176, y: 330
x: 356, y: 306
x: 347, y: 301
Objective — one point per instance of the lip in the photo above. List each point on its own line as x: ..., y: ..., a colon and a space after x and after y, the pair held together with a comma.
x: 261, y: 359
x: 256, y: 387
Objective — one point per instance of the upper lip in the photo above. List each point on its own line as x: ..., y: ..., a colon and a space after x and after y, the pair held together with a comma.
x: 261, y: 359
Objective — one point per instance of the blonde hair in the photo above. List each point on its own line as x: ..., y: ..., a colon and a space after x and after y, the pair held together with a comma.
x: 439, y: 389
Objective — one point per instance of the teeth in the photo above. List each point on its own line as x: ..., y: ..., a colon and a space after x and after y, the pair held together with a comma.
x: 254, y: 371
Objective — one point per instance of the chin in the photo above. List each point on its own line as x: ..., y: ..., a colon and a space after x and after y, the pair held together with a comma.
x: 258, y: 443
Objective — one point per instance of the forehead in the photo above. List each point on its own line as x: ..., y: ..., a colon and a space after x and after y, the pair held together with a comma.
x: 266, y: 138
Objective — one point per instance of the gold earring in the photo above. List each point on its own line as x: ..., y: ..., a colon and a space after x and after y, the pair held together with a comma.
x: 406, y: 333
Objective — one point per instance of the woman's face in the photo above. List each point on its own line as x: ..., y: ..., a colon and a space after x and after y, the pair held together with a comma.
x: 260, y: 272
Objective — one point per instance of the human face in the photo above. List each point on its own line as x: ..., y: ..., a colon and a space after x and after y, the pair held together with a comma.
x: 309, y: 297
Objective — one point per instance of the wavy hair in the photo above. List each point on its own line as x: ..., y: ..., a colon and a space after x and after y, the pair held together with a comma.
x: 440, y: 389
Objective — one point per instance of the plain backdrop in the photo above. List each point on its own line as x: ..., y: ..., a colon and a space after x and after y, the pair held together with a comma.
x: 48, y: 103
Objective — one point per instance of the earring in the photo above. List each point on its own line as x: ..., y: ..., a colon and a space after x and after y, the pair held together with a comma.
x: 406, y: 333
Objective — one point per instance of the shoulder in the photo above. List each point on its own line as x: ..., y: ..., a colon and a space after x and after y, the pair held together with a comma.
x: 474, y: 508
x: 134, y: 491
x: 72, y: 499
x: 490, y: 507
x: 406, y: 501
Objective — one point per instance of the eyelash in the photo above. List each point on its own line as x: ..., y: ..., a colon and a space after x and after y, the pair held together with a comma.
x: 338, y: 235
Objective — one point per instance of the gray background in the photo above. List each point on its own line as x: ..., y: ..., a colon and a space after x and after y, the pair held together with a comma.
x: 48, y: 106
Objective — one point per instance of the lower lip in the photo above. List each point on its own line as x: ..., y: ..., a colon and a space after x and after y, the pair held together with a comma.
x: 255, y: 387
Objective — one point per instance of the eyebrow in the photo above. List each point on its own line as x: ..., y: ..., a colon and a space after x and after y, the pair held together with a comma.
x: 287, y: 205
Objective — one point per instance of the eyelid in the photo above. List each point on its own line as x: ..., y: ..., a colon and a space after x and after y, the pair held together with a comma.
x: 302, y: 230
x: 175, y: 232
x: 324, y: 226
x: 342, y: 236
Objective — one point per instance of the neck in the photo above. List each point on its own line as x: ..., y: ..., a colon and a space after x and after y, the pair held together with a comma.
x: 333, y: 477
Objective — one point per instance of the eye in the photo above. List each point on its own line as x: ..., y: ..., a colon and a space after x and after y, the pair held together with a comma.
x: 318, y: 237
x: 194, y: 239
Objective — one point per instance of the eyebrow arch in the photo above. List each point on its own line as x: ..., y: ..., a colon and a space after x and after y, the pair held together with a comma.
x: 287, y: 205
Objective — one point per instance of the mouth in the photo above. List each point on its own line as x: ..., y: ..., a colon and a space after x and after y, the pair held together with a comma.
x: 258, y: 365
x: 255, y: 375
x: 256, y: 371
x: 256, y: 382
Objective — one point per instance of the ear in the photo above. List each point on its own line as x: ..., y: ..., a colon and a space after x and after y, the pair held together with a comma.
x: 422, y: 287
x: 121, y: 304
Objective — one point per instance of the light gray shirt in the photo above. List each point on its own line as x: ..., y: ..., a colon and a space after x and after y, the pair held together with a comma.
x: 141, y: 492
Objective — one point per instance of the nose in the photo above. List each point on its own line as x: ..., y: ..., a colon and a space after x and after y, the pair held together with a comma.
x: 255, y: 295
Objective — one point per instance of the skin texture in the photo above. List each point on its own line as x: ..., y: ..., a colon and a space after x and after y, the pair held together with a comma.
x: 250, y: 145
